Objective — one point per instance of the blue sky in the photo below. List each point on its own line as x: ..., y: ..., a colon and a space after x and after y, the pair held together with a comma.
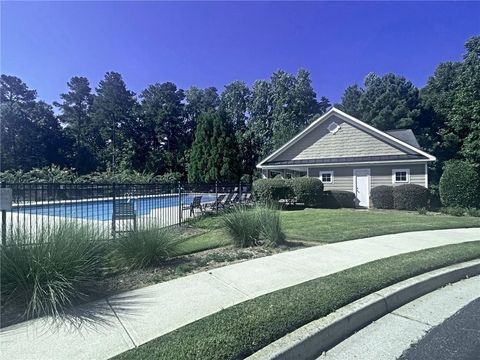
x: 213, y: 44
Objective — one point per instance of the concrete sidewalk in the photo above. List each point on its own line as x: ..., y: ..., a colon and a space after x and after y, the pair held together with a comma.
x: 117, y: 324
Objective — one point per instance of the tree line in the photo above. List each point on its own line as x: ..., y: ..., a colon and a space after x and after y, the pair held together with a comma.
x: 205, y: 135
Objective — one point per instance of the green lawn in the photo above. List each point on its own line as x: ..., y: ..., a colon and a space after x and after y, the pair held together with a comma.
x: 331, y: 225
x: 327, y: 225
x: 238, y: 331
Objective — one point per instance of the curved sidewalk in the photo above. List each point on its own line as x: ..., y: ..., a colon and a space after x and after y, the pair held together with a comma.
x: 122, y: 322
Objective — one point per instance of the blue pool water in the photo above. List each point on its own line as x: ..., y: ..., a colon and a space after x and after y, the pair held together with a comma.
x: 103, y: 209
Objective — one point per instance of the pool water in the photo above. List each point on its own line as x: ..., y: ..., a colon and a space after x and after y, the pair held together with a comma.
x: 103, y: 209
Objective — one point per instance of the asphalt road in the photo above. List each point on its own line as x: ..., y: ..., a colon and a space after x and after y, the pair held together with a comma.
x: 457, y: 338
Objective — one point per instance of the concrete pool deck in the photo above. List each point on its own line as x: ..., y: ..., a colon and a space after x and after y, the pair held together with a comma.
x: 122, y: 322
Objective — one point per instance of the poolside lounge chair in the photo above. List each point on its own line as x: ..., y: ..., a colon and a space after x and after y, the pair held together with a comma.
x: 227, y: 201
x: 215, y: 204
x: 195, y: 204
x: 246, y: 198
x: 123, y: 210
x: 235, y: 198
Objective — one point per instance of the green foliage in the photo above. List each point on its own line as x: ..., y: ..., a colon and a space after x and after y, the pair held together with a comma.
x: 453, y: 101
x: 214, y: 151
x: 113, y: 113
x: 75, y: 116
x: 165, y: 132
x: 336, y: 199
x: 410, y: 197
x: 387, y: 102
x: 382, y: 197
x: 46, y: 174
x: 460, y: 184
x: 61, y: 269
x: 31, y: 134
x: 282, y: 107
x: 473, y: 212
x: 422, y: 211
x: 268, y: 191
x: 453, y: 210
x: 307, y: 190
x: 145, y: 248
x: 254, y: 226
x: 56, y: 174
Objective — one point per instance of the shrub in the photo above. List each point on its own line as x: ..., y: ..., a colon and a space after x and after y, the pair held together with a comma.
x: 460, y: 184
x: 267, y: 191
x: 57, y: 271
x: 473, y: 212
x: 145, y: 248
x: 251, y: 227
x: 382, y: 197
x: 335, y: 199
x: 307, y: 190
x: 410, y: 197
x: 453, y: 210
x: 422, y: 211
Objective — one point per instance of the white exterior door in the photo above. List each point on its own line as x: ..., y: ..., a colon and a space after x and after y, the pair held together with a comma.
x: 361, y: 186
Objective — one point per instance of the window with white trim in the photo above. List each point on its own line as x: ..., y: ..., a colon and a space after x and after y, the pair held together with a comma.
x: 400, y: 176
x: 326, y: 177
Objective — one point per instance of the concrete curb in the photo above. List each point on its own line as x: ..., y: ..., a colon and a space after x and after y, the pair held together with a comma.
x: 309, y: 341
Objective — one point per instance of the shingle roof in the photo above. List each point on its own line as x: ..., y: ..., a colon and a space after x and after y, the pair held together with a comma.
x: 405, y: 135
x: 347, y: 159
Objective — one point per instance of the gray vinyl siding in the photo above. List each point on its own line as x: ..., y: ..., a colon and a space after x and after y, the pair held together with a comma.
x: 382, y: 175
x: 342, y: 177
x: 347, y: 142
x: 379, y: 175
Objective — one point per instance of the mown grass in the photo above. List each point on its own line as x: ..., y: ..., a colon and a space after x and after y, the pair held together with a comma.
x: 239, y: 331
x: 327, y: 225
x: 330, y: 225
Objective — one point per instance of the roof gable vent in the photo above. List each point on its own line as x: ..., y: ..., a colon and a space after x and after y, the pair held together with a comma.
x: 333, y: 128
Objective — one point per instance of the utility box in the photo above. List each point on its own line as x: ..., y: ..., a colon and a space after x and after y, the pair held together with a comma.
x: 5, y: 199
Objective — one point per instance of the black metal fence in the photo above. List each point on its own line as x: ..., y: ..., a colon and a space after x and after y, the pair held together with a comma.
x: 110, y: 209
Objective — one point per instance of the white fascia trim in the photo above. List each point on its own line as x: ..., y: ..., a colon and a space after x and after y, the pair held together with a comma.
x: 421, y: 161
x: 347, y: 117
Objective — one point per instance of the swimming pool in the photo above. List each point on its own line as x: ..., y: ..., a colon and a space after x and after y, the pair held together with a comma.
x: 103, y: 209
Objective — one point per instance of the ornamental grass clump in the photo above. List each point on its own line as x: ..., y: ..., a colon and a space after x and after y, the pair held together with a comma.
x: 254, y: 226
x: 58, y: 270
x: 145, y: 248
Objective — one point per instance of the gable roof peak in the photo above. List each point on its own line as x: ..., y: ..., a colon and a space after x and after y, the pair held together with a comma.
x: 348, y: 118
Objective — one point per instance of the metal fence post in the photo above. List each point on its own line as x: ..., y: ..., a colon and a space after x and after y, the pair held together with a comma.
x: 240, y: 191
x: 216, y: 196
x: 180, y: 215
x: 113, y: 212
x: 4, y: 221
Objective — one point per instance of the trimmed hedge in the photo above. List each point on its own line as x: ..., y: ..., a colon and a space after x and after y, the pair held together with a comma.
x: 335, y: 199
x: 460, y: 184
x: 410, y: 197
x: 307, y: 190
x: 382, y: 197
x: 271, y: 190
